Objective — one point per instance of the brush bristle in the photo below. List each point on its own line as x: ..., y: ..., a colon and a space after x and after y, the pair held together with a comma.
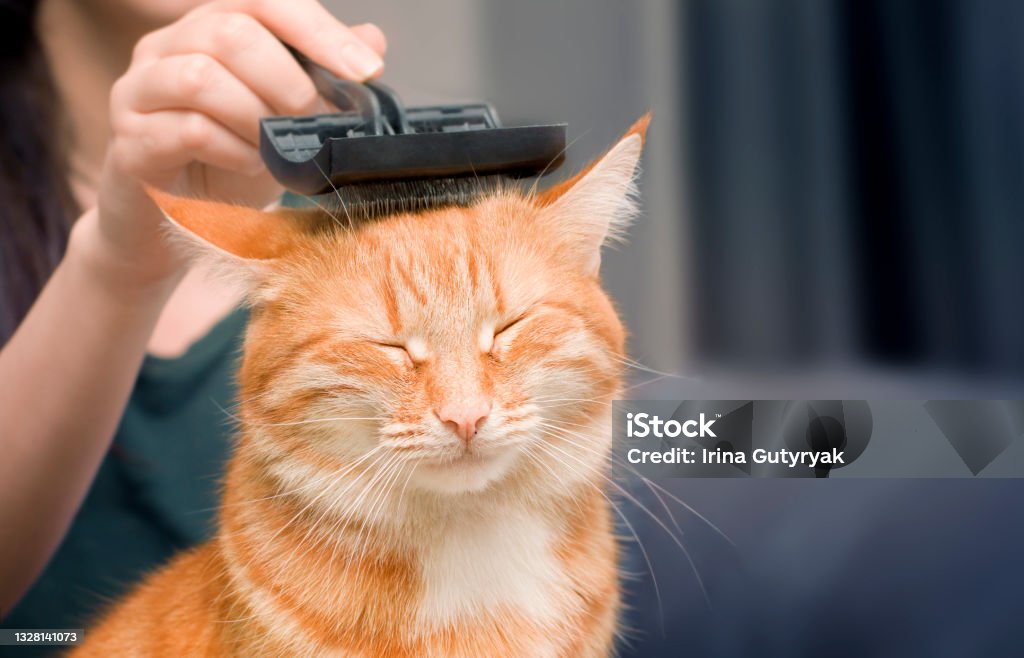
x: 370, y: 201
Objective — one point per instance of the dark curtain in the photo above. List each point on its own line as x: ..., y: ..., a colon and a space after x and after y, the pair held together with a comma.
x: 857, y: 182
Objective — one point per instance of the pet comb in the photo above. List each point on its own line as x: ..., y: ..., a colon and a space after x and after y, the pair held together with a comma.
x: 375, y: 139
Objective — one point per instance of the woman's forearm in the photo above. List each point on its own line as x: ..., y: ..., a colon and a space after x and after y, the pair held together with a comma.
x: 65, y: 377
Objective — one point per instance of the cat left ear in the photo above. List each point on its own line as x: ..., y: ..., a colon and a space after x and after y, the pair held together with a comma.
x: 233, y: 233
x: 596, y: 206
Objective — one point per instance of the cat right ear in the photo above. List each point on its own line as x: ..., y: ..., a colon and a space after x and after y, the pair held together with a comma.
x: 596, y: 206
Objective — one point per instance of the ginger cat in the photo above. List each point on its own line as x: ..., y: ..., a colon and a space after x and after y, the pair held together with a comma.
x: 424, y: 435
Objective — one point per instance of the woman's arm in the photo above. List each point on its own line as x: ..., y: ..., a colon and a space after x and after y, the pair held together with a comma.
x: 184, y: 117
x: 66, y: 375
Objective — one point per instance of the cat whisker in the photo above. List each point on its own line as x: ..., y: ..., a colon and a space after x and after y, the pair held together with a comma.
x: 330, y: 214
x: 643, y: 550
x: 654, y: 488
x: 654, y: 517
x: 621, y: 635
x: 560, y: 399
x: 689, y: 508
x: 334, y: 549
x: 240, y: 420
x: 311, y: 503
x: 645, y: 383
x: 636, y: 365
x: 303, y: 510
x: 671, y: 516
x: 230, y: 415
x: 650, y: 483
x: 320, y: 479
x: 565, y: 402
x: 511, y: 437
x: 328, y: 509
x: 382, y: 476
x: 523, y: 414
x: 311, y: 421
x: 337, y: 193
x: 316, y: 481
x: 532, y: 193
x: 382, y: 495
x: 316, y: 525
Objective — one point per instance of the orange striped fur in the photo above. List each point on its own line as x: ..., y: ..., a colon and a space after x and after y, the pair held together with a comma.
x: 355, y: 521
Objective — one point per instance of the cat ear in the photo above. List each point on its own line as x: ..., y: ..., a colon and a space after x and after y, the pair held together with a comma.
x: 229, y: 232
x: 238, y: 243
x: 597, y: 205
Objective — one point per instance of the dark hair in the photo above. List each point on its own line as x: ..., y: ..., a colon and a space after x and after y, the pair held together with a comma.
x: 36, y: 204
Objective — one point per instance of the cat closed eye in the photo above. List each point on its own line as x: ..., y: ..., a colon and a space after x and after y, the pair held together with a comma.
x: 489, y: 342
x: 397, y: 351
x: 500, y: 329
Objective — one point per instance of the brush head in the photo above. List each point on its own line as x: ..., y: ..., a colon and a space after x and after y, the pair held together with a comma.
x: 309, y: 160
x: 352, y: 204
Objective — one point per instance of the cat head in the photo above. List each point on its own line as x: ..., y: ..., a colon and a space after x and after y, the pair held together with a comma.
x: 461, y: 349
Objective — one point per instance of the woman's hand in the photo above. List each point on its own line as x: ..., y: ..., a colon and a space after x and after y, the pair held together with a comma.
x: 185, y: 117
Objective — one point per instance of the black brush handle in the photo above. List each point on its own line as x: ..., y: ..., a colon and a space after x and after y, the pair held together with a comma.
x: 378, y: 105
x: 346, y: 95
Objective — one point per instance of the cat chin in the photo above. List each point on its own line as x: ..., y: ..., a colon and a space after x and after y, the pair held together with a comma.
x: 465, y: 475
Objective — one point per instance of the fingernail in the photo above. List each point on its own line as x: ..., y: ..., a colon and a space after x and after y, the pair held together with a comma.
x: 361, y: 60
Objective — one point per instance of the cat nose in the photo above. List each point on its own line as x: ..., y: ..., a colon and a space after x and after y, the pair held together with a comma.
x: 464, y: 417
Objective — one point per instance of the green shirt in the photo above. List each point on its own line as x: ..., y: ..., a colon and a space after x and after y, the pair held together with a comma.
x: 156, y: 490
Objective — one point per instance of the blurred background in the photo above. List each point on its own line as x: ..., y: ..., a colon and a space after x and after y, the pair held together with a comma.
x: 834, y: 208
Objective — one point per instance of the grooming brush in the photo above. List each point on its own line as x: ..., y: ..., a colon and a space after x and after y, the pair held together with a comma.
x: 379, y: 156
